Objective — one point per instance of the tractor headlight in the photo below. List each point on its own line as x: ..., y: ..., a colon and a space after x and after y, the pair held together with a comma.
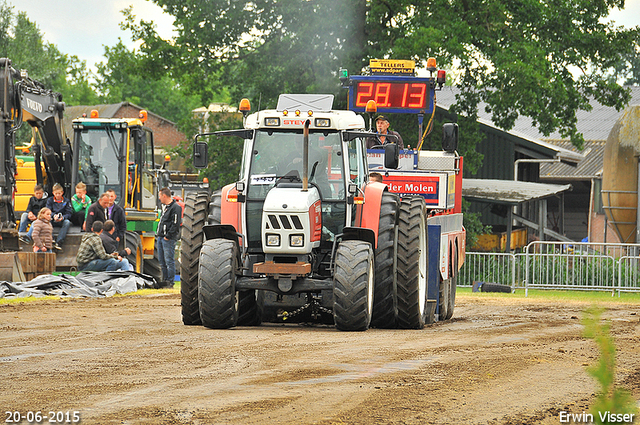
x: 273, y: 240
x: 296, y: 240
x: 272, y: 122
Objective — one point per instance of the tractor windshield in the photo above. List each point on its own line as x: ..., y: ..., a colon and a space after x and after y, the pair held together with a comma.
x: 99, y: 159
x: 279, y: 154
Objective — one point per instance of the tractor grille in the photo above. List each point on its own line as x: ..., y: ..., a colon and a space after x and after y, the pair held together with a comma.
x: 284, y: 221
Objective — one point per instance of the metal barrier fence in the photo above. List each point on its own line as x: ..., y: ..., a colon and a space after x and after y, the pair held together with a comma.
x: 558, y: 265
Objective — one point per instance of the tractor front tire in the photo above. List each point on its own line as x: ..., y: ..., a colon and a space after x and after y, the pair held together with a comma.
x: 217, y: 293
x: 353, y: 283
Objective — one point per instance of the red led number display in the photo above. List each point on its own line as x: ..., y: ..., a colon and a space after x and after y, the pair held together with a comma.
x: 392, y: 95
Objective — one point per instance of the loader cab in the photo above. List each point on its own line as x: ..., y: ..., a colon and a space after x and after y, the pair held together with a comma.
x: 115, y: 154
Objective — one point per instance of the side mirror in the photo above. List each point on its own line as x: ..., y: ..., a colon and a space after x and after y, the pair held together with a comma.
x: 200, y: 154
x: 450, y: 137
x: 391, y: 155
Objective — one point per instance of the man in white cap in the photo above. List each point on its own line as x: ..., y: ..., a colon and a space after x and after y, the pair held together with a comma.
x: 382, y: 125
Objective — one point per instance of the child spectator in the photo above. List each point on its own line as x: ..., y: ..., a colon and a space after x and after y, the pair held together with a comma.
x: 42, y: 231
x: 80, y: 203
x: 61, y: 211
x: 36, y: 202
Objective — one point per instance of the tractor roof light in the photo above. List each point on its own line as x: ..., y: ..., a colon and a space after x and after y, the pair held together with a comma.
x: 372, y: 107
x: 322, y: 122
x: 94, y: 113
x: 310, y: 113
x: 442, y: 77
x: 245, y: 106
x: 143, y: 115
x: 431, y: 65
x: 167, y: 158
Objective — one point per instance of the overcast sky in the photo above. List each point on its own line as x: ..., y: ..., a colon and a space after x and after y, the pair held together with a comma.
x: 84, y: 27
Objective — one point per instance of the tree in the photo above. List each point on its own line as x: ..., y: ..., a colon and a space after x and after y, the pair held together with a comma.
x: 123, y: 77
x: 519, y: 57
x: 541, y: 59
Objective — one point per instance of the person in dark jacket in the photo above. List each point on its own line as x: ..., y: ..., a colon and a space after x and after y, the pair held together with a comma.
x: 116, y: 213
x: 96, y: 212
x: 111, y: 245
x: 61, y: 212
x: 167, y: 235
x: 382, y: 126
x: 36, y: 203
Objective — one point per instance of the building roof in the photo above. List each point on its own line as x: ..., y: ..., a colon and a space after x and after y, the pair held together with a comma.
x: 587, y: 169
x: 594, y: 125
x: 446, y: 98
x: 508, y: 191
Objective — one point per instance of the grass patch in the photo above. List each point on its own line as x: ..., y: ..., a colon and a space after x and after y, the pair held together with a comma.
x: 560, y: 295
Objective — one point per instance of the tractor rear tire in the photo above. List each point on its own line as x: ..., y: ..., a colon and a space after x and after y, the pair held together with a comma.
x: 412, y: 264
x: 353, y: 283
x: 136, y: 258
x: 250, y: 307
x: 217, y: 293
x: 152, y: 266
x: 385, y: 305
x: 215, y: 208
x: 195, y: 214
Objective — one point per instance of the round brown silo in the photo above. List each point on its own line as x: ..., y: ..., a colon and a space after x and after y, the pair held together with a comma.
x: 620, y: 174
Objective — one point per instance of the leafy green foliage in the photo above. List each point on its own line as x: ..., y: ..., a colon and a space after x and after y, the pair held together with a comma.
x: 225, y: 153
x: 123, y: 77
x: 472, y: 225
x: 610, y: 398
x: 518, y: 57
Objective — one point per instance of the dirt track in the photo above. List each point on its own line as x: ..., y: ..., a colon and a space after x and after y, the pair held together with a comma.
x: 129, y: 360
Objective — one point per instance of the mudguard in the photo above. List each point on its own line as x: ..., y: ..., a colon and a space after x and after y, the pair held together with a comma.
x: 368, y: 214
x: 231, y: 211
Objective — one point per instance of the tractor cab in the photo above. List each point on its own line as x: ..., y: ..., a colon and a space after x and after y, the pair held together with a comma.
x: 115, y: 153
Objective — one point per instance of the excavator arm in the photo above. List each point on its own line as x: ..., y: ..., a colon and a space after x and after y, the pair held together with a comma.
x: 25, y: 100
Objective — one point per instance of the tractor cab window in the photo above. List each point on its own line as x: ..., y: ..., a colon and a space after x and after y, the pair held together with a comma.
x: 278, y: 155
x: 99, y: 159
x: 357, y: 162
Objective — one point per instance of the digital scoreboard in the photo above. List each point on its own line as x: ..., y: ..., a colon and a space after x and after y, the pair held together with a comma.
x: 392, y: 94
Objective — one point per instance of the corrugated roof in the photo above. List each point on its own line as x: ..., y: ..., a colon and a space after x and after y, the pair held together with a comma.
x: 594, y: 125
x: 446, y: 98
x: 589, y: 168
x: 508, y: 191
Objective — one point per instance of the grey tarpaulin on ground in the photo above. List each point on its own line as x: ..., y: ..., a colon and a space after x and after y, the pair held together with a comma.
x: 85, y: 284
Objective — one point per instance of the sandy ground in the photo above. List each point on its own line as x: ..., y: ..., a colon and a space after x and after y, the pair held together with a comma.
x: 129, y: 360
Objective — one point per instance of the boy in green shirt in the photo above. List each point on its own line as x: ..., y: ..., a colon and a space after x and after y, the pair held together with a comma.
x: 80, y: 202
